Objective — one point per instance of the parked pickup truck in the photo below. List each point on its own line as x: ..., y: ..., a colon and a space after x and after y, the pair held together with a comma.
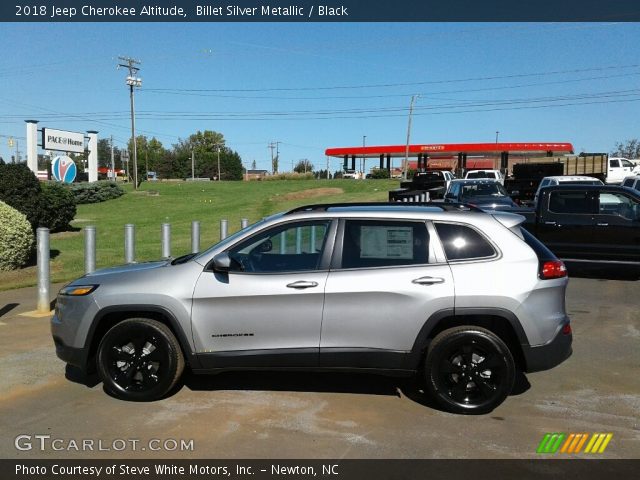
x: 430, y: 184
x: 588, y: 222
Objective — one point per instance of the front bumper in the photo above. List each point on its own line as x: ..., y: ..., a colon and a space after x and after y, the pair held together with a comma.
x: 549, y: 355
x: 71, y: 355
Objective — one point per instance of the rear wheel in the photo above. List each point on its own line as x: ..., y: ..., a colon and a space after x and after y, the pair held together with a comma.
x: 140, y: 359
x: 469, y: 370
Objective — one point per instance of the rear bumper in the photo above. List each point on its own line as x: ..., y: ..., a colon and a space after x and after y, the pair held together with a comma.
x: 549, y: 355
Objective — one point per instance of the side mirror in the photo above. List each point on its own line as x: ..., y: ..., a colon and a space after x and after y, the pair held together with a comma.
x: 222, y: 262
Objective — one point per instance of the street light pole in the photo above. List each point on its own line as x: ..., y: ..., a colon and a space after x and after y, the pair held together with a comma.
x: 364, y: 159
x: 497, y: 133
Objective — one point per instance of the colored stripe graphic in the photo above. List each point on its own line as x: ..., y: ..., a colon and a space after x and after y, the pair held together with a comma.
x: 573, y: 443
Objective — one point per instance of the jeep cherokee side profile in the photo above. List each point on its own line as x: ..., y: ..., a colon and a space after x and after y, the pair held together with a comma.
x: 462, y: 296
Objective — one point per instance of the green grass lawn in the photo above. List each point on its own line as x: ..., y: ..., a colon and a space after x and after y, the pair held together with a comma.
x: 178, y: 203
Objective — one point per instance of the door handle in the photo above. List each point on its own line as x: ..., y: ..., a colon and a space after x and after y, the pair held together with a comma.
x: 427, y: 280
x: 602, y: 224
x: 300, y: 284
x: 550, y: 223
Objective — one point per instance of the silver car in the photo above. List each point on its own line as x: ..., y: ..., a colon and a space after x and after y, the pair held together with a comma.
x: 463, y: 297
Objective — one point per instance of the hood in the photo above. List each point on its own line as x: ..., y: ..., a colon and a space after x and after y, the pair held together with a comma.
x: 133, y: 267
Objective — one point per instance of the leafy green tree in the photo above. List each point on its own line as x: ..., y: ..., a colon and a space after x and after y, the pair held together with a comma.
x: 303, y: 166
x: 205, y: 146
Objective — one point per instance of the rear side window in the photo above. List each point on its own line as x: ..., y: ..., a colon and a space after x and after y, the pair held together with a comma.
x: 384, y: 243
x: 628, y: 182
x: 461, y: 242
x: 570, y: 202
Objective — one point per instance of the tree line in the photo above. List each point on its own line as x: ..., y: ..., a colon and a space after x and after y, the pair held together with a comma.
x: 176, y: 162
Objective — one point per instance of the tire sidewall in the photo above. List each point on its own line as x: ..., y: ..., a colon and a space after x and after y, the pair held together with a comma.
x: 168, y: 367
x: 458, y: 337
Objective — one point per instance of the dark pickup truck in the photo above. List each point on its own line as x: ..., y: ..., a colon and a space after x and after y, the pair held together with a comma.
x: 587, y: 222
x: 423, y: 186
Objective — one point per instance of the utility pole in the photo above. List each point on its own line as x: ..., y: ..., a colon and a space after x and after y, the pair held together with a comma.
x: 274, y: 166
x: 364, y: 159
x: 193, y: 164
x: 497, y: 133
x: 219, y: 177
x: 405, y: 165
x: 133, y: 81
x: 327, y: 168
x: 113, y: 165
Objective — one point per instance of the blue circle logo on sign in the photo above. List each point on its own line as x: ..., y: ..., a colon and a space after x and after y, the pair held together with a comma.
x: 63, y: 169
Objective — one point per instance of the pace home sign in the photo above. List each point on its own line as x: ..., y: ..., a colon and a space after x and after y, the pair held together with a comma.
x: 61, y: 140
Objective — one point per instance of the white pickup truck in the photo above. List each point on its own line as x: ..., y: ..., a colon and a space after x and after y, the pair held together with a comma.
x: 619, y: 168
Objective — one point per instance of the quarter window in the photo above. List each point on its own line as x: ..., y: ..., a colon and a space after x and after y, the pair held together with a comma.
x: 612, y: 203
x: 383, y: 243
x: 463, y: 243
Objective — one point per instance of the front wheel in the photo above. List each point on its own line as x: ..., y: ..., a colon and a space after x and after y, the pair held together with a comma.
x: 469, y: 370
x: 140, y: 359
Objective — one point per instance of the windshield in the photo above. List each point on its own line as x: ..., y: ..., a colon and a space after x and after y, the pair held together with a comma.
x: 480, y: 174
x: 483, y: 190
x: 231, y: 238
x: 626, y: 163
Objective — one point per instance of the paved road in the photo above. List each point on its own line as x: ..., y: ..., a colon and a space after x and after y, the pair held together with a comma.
x: 302, y: 415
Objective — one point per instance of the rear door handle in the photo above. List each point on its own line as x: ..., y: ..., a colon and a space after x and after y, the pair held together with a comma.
x: 427, y: 280
x: 300, y: 284
x: 602, y: 224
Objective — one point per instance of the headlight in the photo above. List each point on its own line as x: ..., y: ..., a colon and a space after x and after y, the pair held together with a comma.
x: 77, y: 290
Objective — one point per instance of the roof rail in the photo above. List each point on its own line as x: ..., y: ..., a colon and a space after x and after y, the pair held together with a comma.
x: 448, y: 207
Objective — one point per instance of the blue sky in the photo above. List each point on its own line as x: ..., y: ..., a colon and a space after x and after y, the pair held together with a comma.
x: 313, y: 86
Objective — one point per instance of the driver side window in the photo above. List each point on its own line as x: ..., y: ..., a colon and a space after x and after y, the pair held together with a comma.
x: 287, y: 248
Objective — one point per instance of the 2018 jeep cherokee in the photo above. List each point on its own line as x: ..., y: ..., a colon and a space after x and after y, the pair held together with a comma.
x: 464, y: 296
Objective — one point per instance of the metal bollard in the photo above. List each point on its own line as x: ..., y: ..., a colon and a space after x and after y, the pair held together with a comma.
x: 43, y: 305
x: 244, y: 223
x: 89, y: 249
x: 405, y: 199
x: 129, y: 243
x: 224, y: 229
x: 166, y: 240
x: 195, y: 236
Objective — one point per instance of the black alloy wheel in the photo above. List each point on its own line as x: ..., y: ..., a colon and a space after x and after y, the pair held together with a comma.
x: 469, y: 370
x: 140, y: 359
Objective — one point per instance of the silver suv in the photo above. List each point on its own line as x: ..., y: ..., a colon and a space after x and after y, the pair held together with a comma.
x: 461, y: 296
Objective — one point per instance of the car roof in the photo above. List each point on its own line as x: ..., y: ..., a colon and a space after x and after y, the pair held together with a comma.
x: 384, y: 207
x: 570, y: 178
x: 473, y: 181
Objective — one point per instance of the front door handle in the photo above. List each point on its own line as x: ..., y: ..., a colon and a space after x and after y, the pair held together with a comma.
x: 299, y: 285
x: 602, y: 224
x: 427, y: 280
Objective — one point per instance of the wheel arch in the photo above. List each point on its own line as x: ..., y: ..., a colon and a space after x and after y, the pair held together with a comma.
x: 501, y: 322
x: 109, y: 316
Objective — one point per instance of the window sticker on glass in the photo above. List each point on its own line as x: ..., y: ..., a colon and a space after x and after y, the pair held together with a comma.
x: 386, y: 242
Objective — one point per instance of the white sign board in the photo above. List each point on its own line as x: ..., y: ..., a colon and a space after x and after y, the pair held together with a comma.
x: 61, y: 140
x: 386, y: 242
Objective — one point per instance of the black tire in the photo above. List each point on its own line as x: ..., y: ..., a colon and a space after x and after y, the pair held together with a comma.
x: 130, y: 369
x: 469, y: 370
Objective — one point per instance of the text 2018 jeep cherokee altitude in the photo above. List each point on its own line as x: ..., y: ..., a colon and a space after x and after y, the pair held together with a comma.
x: 464, y: 296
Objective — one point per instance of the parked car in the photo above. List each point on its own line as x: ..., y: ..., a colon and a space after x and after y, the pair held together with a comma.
x: 632, y: 182
x: 565, y: 180
x: 496, y: 175
x: 463, y: 296
x: 485, y: 194
x: 588, y: 222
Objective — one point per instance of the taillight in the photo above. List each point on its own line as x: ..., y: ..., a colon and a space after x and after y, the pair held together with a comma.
x: 553, y: 269
x: 566, y: 330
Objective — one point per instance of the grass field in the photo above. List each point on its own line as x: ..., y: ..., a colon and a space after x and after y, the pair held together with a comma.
x: 178, y: 203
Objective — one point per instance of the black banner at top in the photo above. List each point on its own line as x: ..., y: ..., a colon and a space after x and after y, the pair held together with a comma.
x: 320, y: 11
